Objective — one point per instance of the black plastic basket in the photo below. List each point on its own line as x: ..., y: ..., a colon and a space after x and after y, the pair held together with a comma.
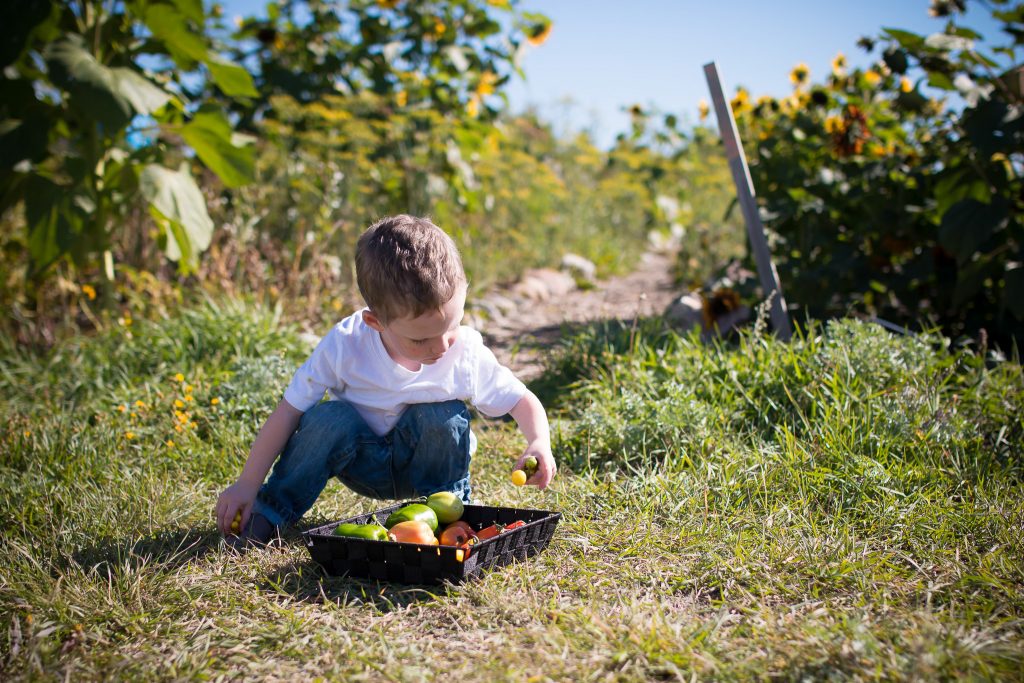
x: 428, y: 564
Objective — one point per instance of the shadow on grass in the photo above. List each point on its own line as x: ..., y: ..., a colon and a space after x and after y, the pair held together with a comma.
x: 306, y: 581
x: 171, y: 549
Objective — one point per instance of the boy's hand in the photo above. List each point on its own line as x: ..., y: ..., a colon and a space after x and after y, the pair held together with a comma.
x: 238, y: 497
x: 541, y: 450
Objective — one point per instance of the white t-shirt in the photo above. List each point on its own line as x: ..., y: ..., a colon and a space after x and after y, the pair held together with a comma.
x: 351, y: 364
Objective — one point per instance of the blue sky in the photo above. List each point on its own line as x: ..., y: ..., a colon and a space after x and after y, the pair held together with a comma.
x: 603, y: 56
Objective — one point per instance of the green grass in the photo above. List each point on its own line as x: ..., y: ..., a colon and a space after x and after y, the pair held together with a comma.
x: 847, y: 506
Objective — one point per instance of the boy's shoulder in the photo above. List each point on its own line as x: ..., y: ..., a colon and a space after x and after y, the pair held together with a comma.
x: 350, y: 324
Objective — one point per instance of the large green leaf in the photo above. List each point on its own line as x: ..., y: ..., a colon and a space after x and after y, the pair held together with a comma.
x: 111, y: 96
x: 907, y: 39
x: 209, y: 134
x: 233, y: 80
x: 957, y: 184
x: 171, y: 27
x: 54, y: 221
x: 968, y: 224
x: 179, y: 208
x: 192, y: 9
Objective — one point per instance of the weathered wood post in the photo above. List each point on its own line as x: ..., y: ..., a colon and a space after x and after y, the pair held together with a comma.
x: 745, y: 195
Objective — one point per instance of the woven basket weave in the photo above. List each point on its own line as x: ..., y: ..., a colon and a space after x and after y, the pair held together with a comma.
x: 427, y: 564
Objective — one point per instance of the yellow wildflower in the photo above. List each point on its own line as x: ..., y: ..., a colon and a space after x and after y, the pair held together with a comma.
x: 800, y: 74
x: 89, y: 291
x: 872, y: 78
x: 122, y: 408
x: 189, y: 398
x: 177, y: 428
x: 437, y: 31
x: 169, y: 443
x: 179, y: 377
x: 703, y: 109
x: 498, y: 3
x: 27, y: 433
x: 214, y: 401
x: 178, y: 403
x: 188, y: 388
x: 140, y: 404
x: 129, y: 435
x: 473, y: 106
x: 401, y: 98
x: 905, y: 84
x: 486, y: 85
x: 839, y: 64
x: 832, y: 124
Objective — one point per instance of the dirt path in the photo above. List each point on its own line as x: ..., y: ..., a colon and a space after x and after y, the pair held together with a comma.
x: 520, y: 334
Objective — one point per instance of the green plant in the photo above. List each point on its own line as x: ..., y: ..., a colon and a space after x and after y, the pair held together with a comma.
x: 96, y: 116
x: 879, y: 199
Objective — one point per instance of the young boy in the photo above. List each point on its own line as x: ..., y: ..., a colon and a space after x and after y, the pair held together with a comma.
x: 398, y: 374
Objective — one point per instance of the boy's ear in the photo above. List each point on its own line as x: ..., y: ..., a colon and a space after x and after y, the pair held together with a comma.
x: 372, y: 320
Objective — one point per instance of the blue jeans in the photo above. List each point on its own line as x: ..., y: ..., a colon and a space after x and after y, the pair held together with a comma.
x: 427, y: 451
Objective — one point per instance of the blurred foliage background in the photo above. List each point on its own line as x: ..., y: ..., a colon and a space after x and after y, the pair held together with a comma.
x: 153, y: 154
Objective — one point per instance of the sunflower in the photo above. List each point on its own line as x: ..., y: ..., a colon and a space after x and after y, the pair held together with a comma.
x: 800, y: 74
x: 538, y: 33
x: 839, y: 64
x: 741, y: 102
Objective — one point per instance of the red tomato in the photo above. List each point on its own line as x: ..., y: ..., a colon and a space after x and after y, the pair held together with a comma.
x: 454, y: 535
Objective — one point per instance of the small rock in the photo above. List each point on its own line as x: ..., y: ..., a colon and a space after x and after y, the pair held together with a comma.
x: 540, y: 284
x: 580, y: 267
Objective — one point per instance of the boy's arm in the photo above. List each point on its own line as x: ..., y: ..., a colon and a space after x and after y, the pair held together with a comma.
x: 268, y: 445
x: 529, y: 414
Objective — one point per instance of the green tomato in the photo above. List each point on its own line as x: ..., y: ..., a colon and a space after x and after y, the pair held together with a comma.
x: 370, y: 532
x: 446, y: 505
x: 413, y: 511
x: 530, y: 466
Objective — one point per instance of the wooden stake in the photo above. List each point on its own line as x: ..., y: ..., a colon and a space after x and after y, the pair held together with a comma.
x: 745, y: 195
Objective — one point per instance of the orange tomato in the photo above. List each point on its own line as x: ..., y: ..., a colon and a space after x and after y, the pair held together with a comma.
x: 456, y: 533
x: 413, y: 531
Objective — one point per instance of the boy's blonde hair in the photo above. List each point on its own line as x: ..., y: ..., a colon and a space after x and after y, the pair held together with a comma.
x: 407, y: 266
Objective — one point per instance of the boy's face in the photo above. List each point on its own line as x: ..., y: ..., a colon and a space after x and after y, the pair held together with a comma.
x: 423, y: 339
